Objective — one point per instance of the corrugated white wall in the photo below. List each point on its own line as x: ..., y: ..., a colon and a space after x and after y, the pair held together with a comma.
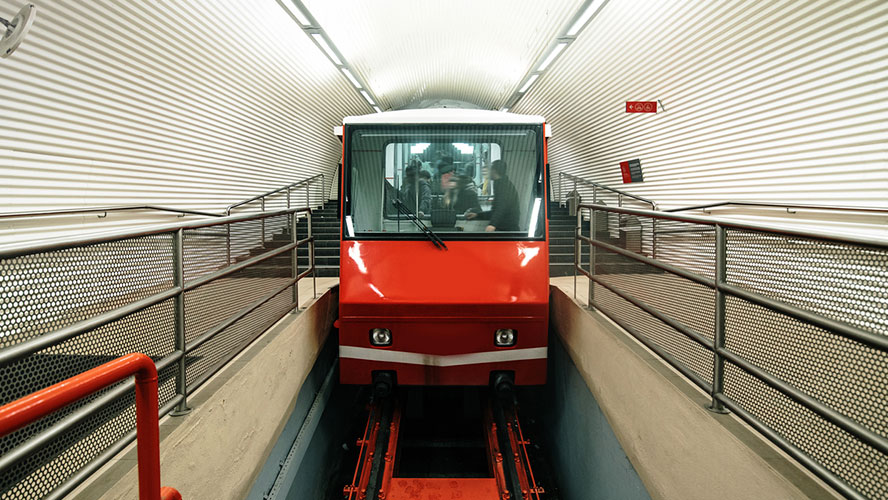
x: 193, y: 104
x: 765, y: 100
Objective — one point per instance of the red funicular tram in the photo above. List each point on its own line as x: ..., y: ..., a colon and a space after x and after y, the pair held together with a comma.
x: 444, y: 254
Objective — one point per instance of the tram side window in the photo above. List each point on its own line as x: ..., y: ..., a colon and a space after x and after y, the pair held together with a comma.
x: 460, y: 181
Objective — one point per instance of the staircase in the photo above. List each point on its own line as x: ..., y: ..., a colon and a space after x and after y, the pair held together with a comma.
x: 561, y: 241
x: 561, y: 247
x: 325, y: 228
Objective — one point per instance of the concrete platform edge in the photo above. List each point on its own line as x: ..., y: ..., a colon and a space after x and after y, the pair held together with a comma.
x: 245, y: 407
x: 680, y: 450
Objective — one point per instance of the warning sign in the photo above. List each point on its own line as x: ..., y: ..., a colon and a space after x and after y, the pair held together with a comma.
x: 641, y: 106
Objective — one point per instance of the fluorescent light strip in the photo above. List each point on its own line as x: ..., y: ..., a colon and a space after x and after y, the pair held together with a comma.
x: 584, y: 17
x: 319, y: 38
x: 367, y: 96
x: 552, y: 55
x: 294, y: 9
x: 351, y: 78
x: 528, y: 83
x: 376, y: 108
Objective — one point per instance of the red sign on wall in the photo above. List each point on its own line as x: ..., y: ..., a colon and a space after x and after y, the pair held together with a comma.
x: 641, y: 106
x: 631, y: 171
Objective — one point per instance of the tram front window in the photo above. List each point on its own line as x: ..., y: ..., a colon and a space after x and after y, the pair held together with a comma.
x: 463, y: 182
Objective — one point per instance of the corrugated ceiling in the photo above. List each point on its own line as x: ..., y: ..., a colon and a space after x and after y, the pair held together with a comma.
x: 463, y: 50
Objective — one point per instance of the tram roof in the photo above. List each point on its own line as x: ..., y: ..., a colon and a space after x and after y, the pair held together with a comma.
x: 443, y: 115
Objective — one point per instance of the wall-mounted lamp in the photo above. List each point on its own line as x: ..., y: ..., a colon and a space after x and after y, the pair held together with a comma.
x: 16, y: 29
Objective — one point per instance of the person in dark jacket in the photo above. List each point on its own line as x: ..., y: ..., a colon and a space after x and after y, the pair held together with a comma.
x: 504, y: 213
x: 461, y: 196
x: 417, y: 203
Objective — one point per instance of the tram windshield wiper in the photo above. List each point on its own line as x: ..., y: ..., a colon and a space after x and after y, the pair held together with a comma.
x: 434, y: 238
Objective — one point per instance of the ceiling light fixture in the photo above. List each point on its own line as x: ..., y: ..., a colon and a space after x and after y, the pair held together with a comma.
x: 552, y: 55
x: 297, y: 12
x: 311, y: 27
x: 587, y: 14
x: 577, y: 23
x: 368, y: 98
x: 528, y: 83
x: 351, y: 78
x: 321, y: 40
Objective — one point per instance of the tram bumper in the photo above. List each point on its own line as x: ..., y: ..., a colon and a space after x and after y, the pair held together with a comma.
x: 444, y: 350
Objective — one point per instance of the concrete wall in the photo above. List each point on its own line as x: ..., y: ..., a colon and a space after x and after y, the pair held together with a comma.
x: 679, y: 449
x: 217, y: 451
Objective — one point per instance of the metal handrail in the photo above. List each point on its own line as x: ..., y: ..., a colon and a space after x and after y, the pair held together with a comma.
x: 307, y: 182
x: 579, y: 180
x: 182, y: 346
x: 19, y: 413
x: 787, y: 206
x: 751, y: 226
x: 67, y: 211
x: 717, y: 344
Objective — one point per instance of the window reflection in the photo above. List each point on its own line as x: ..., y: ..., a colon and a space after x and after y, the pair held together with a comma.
x: 469, y: 181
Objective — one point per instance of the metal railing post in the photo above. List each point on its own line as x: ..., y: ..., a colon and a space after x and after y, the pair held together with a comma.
x: 594, y: 194
x: 308, y: 194
x: 718, y: 368
x: 591, y: 296
x: 577, y: 248
x: 179, y: 321
x: 560, y: 192
x: 311, y: 259
x: 323, y: 192
x: 654, y: 238
x: 262, y: 210
x: 288, y: 197
x: 295, y: 258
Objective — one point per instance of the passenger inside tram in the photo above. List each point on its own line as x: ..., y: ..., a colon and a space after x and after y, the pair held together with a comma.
x: 437, y: 175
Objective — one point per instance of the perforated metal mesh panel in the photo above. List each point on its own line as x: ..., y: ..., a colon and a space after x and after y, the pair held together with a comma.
x: 42, y: 293
x: 844, y: 282
x: 685, y: 351
x: 839, y: 281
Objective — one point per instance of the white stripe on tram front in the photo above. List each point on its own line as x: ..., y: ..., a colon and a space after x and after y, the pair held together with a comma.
x: 415, y: 358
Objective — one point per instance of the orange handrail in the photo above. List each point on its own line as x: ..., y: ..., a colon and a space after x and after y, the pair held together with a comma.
x: 22, y: 412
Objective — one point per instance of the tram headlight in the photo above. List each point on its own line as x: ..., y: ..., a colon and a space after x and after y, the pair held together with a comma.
x: 505, y: 337
x: 381, y: 336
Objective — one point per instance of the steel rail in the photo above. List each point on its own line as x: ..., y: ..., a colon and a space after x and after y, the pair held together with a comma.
x: 73, y: 481
x: 688, y: 332
x: 791, y: 449
x: 764, y: 204
x: 209, y: 334
x: 580, y: 180
x: 23, y: 411
x: 859, y: 431
x: 844, y: 329
x: 678, y: 365
x: 116, y: 208
x: 30, y: 346
x: 281, y: 189
x: 34, y: 443
x: 20, y: 249
x: 651, y: 262
x: 748, y: 226
x: 849, y: 425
